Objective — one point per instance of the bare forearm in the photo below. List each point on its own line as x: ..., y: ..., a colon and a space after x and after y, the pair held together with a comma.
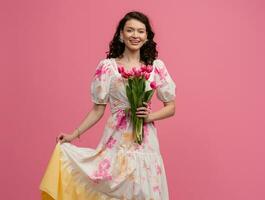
x: 167, y: 111
x: 91, y: 118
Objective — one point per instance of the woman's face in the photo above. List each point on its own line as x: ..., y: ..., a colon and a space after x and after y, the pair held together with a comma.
x: 134, y: 34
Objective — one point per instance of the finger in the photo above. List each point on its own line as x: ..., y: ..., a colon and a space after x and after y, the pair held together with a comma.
x: 146, y: 110
x: 142, y: 112
x: 148, y: 105
x: 141, y: 108
x: 142, y: 116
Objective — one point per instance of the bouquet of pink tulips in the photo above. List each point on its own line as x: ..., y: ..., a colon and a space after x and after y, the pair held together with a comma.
x: 136, y: 94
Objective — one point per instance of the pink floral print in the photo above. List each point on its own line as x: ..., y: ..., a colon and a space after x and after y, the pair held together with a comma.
x: 102, y: 172
x: 157, y: 189
x: 158, y: 169
x: 121, y: 119
x: 110, y: 142
x: 101, y: 69
x: 161, y: 72
x: 165, y: 85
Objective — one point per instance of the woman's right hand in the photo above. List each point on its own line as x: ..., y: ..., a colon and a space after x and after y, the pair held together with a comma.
x: 65, y: 138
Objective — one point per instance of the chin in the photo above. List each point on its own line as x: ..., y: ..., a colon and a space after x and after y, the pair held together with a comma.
x: 134, y: 47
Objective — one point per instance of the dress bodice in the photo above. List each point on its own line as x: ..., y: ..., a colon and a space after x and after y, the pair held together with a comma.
x: 109, y: 86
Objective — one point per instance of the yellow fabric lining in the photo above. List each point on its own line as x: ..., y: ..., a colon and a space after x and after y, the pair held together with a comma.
x: 45, y: 196
x: 58, y: 183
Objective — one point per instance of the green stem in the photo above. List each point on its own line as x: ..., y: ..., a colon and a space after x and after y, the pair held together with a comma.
x: 138, y: 130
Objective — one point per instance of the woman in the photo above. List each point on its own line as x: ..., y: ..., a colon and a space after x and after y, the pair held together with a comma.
x: 119, y: 168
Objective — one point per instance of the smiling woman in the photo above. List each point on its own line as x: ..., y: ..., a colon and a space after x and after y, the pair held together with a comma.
x: 134, y: 33
x: 119, y: 168
x: 134, y: 37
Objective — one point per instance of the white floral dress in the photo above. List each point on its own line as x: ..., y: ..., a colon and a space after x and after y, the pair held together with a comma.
x: 118, y: 168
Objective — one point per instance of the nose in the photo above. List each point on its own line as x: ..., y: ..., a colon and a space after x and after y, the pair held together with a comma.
x: 135, y: 34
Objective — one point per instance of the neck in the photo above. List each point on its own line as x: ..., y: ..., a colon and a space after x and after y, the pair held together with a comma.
x: 131, y: 56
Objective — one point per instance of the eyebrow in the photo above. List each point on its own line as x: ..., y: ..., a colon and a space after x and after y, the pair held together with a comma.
x: 133, y: 28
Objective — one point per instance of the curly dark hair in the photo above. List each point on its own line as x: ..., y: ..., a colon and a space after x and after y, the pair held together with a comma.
x: 148, y: 52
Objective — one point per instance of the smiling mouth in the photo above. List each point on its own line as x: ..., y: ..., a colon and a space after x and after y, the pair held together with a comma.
x: 134, y: 42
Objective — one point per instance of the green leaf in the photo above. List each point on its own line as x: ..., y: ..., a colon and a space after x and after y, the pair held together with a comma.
x: 130, y: 82
x: 148, y: 95
x: 128, y: 93
x: 134, y: 97
x: 143, y: 86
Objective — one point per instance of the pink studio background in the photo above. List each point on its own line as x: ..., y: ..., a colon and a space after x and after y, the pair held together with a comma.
x: 213, y: 148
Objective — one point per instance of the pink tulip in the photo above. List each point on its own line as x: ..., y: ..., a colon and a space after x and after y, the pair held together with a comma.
x: 121, y: 69
x: 124, y: 75
x: 149, y: 68
x: 130, y: 73
x: 134, y: 70
x: 137, y: 72
x: 153, y: 85
x: 146, y: 76
x: 143, y: 68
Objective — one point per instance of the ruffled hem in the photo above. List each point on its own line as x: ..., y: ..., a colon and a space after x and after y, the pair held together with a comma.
x: 65, y: 180
x: 72, y: 191
x: 60, y: 182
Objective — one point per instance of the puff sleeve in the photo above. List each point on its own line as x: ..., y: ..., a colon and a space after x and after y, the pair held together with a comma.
x: 100, y: 84
x: 165, y: 90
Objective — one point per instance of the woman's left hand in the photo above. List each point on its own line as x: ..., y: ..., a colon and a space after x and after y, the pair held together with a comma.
x: 144, y: 112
